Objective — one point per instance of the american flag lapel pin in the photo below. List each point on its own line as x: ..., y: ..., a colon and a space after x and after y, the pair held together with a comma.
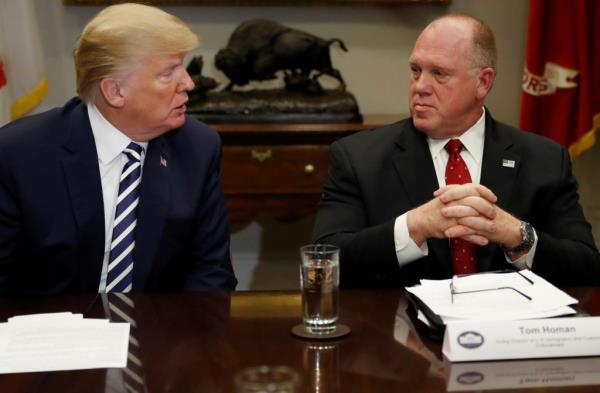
x: 163, y: 161
x: 505, y: 163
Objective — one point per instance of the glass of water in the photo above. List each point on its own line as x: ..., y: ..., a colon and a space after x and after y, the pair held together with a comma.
x: 319, y: 282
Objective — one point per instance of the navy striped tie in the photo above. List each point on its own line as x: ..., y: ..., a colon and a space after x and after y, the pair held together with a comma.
x: 120, y: 261
x: 122, y: 309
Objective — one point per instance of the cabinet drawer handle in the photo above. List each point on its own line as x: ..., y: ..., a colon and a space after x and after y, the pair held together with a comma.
x: 309, y: 168
x: 261, y: 155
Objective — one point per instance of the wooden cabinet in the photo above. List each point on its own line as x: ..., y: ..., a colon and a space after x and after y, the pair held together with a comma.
x: 279, y: 169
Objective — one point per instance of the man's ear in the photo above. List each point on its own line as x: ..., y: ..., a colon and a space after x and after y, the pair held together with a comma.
x: 486, y: 80
x: 112, y: 91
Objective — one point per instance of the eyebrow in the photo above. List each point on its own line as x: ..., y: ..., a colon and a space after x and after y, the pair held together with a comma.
x: 430, y: 66
x: 169, y: 67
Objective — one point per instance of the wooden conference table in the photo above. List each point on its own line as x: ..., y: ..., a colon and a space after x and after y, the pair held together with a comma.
x: 195, y: 342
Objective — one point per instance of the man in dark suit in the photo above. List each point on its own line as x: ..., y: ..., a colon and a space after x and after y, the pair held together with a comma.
x: 118, y: 190
x: 409, y: 201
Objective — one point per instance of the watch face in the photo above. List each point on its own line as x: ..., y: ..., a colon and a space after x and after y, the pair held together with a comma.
x: 527, y: 231
x: 527, y: 235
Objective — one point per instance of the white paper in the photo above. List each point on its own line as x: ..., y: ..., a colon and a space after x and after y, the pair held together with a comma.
x: 61, y: 341
x: 494, y: 304
x: 58, y: 317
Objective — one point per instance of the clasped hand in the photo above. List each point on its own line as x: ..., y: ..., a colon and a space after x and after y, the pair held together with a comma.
x: 466, y: 211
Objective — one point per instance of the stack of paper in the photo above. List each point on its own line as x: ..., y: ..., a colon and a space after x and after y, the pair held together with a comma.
x: 61, y: 341
x: 493, y: 296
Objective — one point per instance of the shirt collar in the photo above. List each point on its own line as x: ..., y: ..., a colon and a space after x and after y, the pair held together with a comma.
x: 472, y: 140
x: 110, y: 142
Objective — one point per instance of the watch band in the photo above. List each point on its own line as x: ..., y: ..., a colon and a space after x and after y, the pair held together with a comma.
x: 528, y: 238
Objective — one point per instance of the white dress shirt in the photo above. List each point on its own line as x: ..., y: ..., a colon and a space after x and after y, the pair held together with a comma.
x: 110, y: 143
x: 472, y: 154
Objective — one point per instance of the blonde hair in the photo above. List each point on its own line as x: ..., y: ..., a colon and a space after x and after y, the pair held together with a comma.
x: 120, y: 34
x: 483, y: 49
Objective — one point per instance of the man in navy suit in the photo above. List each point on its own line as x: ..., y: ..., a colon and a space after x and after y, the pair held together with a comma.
x: 61, y: 171
x: 387, y: 203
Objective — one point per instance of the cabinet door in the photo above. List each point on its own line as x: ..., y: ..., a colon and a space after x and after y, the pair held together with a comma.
x: 274, y: 169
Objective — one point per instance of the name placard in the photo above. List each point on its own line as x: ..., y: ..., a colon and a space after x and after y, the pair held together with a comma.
x: 467, y: 341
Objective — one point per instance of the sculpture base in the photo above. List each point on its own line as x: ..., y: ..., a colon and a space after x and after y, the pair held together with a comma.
x: 275, y: 106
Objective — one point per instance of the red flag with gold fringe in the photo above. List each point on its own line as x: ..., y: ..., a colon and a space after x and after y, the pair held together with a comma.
x: 23, y: 80
x: 2, y: 76
x: 561, y: 81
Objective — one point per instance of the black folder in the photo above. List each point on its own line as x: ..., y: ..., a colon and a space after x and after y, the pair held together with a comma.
x: 436, y: 327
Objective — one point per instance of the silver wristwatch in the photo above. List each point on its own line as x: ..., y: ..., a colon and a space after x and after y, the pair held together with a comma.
x: 528, y: 238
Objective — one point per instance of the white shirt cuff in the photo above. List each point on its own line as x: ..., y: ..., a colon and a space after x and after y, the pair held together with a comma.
x: 406, y: 249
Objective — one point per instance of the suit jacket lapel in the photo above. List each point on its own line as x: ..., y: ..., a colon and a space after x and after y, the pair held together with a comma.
x: 151, y: 212
x: 414, y: 166
x: 499, y: 170
x: 82, y: 176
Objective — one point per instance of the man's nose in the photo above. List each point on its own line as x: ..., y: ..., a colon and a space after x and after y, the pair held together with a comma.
x: 187, y: 84
x: 422, y: 84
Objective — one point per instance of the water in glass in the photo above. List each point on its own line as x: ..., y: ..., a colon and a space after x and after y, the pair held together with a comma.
x: 320, y: 290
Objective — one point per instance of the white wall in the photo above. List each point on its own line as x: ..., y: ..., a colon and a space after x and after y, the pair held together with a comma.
x: 379, y: 40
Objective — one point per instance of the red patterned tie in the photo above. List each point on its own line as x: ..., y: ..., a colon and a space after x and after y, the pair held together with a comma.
x: 463, y: 252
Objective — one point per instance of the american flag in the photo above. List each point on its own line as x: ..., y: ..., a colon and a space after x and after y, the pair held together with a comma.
x: 505, y: 163
x: 163, y: 161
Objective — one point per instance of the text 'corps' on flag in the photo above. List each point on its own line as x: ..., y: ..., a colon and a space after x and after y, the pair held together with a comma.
x: 561, y: 82
x: 23, y: 81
